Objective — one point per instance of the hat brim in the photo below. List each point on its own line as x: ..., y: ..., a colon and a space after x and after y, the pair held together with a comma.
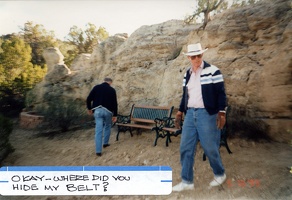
x: 195, y: 53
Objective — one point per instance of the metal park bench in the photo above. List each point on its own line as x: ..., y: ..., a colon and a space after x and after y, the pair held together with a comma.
x: 142, y: 117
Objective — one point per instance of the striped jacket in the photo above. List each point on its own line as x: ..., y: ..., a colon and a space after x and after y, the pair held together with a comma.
x: 213, y: 91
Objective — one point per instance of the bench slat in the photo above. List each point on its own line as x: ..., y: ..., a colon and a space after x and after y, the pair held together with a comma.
x: 149, y: 113
x: 137, y: 126
x: 170, y: 129
x: 154, y: 107
x: 149, y: 121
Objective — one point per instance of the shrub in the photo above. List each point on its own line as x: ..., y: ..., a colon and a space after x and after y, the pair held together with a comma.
x: 6, y: 128
x: 30, y: 97
x: 240, y: 123
x: 62, y: 114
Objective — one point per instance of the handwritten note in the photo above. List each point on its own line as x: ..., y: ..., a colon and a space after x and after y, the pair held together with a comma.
x: 85, y: 180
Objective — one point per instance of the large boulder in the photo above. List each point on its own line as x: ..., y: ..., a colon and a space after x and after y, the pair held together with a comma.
x: 56, y: 69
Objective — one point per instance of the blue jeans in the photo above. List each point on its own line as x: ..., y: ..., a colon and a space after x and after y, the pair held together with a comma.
x: 103, y: 124
x: 199, y: 126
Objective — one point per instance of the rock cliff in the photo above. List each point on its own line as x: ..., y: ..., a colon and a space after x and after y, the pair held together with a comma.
x: 251, y: 45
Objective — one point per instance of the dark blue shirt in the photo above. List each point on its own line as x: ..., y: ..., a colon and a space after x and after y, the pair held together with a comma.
x: 103, y: 95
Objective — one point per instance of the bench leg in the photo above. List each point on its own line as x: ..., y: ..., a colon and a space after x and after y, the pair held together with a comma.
x: 223, y: 140
x: 123, y: 130
x: 157, y: 136
x: 227, y: 147
x: 167, y: 139
x: 224, y: 143
x: 166, y: 143
x: 155, y: 141
x: 204, y: 157
x: 117, y: 137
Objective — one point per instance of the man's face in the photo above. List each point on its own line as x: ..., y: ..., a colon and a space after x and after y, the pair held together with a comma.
x: 196, y: 60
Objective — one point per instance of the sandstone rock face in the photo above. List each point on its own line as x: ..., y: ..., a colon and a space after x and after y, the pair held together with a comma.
x: 253, y: 49
x: 81, y: 62
x: 251, y: 45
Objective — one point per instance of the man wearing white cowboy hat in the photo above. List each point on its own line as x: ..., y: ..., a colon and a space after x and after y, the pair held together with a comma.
x: 203, y: 102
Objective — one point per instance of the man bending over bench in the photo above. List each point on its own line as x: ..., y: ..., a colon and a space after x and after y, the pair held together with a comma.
x: 102, y: 103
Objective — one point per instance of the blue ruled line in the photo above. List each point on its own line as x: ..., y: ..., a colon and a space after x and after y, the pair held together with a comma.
x: 86, y: 168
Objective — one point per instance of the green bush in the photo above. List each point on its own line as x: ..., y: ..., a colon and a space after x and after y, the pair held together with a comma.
x: 240, y: 123
x: 62, y: 114
x: 6, y: 128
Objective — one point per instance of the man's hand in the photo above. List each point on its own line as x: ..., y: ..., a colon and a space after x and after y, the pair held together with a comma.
x: 177, y: 120
x: 221, y: 120
x: 114, y: 119
x: 90, y: 112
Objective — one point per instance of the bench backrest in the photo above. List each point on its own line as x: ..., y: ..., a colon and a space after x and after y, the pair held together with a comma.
x: 147, y: 114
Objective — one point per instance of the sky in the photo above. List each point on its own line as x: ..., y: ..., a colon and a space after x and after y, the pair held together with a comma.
x: 116, y: 16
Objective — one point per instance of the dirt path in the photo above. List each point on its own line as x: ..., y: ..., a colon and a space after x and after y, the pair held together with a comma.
x: 254, y: 170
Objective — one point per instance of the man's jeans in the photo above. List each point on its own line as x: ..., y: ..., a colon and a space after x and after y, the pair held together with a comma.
x: 199, y: 126
x: 103, y: 124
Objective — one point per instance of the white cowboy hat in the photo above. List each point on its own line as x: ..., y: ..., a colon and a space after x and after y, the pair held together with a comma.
x: 195, y: 49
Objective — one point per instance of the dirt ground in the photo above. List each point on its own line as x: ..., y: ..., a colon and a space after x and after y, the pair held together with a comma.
x: 255, y: 170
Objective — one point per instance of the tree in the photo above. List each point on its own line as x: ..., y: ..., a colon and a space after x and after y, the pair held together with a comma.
x: 38, y: 38
x: 93, y: 36
x: 14, y: 57
x: 240, y: 3
x: 86, y: 40
x: 214, y: 6
x: 76, y: 37
x: 79, y: 41
x: 206, y: 7
x: 69, y: 52
x: 18, y: 74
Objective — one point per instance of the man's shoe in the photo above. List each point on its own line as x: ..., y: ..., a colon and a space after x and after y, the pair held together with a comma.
x: 98, y: 154
x: 106, y: 145
x: 218, y: 180
x: 182, y: 186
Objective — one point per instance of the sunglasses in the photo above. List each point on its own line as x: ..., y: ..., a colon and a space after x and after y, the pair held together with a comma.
x: 196, y: 56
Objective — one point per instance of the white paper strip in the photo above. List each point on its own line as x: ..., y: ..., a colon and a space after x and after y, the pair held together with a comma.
x: 85, y: 180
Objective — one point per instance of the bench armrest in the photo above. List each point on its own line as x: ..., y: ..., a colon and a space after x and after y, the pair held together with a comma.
x: 123, y: 119
x: 164, y: 122
x: 165, y: 127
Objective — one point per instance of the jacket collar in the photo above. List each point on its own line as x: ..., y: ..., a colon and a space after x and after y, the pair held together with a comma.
x: 206, y: 64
